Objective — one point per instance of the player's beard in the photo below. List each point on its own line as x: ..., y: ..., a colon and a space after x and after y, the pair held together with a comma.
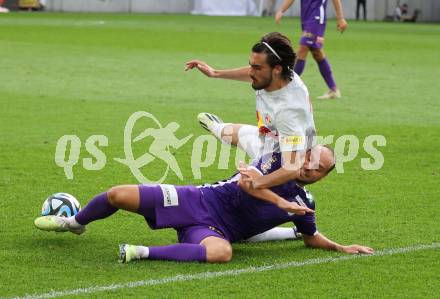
x: 264, y: 83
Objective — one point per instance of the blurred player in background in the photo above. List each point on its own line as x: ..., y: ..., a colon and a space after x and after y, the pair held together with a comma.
x: 3, y: 9
x: 269, y: 7
x: 401, y: 14
x: 313, y: 23
x: 362, y: 3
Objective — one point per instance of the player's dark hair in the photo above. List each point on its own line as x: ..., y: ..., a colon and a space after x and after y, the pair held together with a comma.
x: 282, y: 47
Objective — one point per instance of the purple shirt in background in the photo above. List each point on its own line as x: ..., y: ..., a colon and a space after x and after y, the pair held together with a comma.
x: 313, y: 16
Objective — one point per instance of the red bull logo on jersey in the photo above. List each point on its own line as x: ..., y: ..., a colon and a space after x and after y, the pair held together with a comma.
x: 267, y: 118
x: 261, y: 125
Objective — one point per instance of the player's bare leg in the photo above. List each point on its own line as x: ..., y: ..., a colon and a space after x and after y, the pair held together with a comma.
x: 301, y: 57
x: 229, y: 134
x: 218, y: 250
x: 326, y: 73
x: 125, y: 197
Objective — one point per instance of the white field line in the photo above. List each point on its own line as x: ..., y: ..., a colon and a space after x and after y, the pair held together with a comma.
x: 208, y: 275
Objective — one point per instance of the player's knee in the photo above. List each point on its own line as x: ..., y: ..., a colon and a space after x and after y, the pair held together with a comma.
x: 124, y: 197
x: 221, y: 254
x: 226, y: 255
x: 302, y: 53
x: 115, y: 196
x: 318, y: 55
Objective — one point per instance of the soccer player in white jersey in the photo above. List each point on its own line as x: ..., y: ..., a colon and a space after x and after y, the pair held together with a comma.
x: 284, y: 112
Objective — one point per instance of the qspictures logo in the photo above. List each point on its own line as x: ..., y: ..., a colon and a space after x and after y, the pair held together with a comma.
x: 205, y: 150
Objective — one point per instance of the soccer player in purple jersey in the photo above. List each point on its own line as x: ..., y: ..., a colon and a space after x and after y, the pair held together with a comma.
x: 313, y: 23
x: 209, y: 218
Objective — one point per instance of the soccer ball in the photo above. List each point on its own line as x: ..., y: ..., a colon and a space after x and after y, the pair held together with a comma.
x: 60, y: 204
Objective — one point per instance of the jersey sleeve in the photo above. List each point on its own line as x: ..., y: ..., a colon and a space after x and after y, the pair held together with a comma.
x: 306, y: 224
x: 291, y: 129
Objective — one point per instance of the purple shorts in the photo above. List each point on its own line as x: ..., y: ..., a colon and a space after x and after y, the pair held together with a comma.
x: 195, y: 234
x: 312, y: 34
x: 178, y: 207
x: 311, y: 40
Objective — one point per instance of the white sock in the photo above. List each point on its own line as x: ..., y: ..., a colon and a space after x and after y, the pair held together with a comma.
x: 217, y: 129
x: 72, y: 222
x: 142, y: 252
x: 274, y: 234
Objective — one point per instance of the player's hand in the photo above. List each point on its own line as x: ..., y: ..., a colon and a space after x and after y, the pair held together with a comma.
x: 202, y: 67
x: 245, y: 186
x: 293, y: 207
x: 243, y: 183
x: 278, y: 17
x: 247, y: 177
x: 341, y: 25
x: 248, y: 173
x: 356, y: 249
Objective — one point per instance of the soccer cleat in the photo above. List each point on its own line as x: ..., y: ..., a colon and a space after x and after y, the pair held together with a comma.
x: 331, y: 94
x: 57, y: 224
x: 127, y: 253
x: 206, y: 120
x: 296, y: 234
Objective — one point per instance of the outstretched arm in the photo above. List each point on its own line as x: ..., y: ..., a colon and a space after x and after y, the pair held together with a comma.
x: 285, y: 6
x: 320, y: 241
x: 342, y: 24
x: 239, y: 74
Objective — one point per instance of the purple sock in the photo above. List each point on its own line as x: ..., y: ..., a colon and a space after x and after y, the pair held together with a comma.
x: 299, y: 66
x: 97, y: 208
x: 326, y: 72
x: 182, y: 252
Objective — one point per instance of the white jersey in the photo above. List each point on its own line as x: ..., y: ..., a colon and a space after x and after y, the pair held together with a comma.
x: 285, y: 117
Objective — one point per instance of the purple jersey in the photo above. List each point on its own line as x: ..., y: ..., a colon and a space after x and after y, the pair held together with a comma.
x: 313, y: 16
x: 241, y: 216
x: 222, y: 209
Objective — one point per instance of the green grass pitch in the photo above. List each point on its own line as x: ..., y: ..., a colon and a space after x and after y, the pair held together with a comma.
x: 85, y: 74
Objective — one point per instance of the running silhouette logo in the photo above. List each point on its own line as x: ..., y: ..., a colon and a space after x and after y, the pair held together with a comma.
x: 163, y: 139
